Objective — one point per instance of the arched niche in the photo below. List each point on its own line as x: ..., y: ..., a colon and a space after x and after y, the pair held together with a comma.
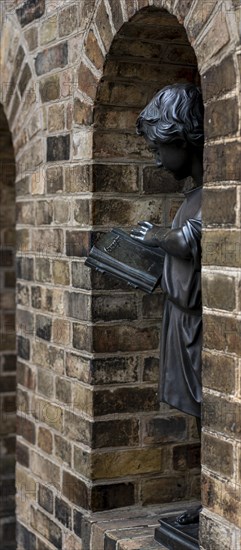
x: 7, y: 333
x: 149, y: 52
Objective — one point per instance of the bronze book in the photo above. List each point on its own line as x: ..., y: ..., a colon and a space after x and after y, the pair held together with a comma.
x: 117, y: 254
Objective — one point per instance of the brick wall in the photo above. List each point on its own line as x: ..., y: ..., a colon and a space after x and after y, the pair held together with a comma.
x: 7, y: 334
x: 91, y: 435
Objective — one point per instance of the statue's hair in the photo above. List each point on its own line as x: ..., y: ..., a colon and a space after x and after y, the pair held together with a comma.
x: 175, y: 113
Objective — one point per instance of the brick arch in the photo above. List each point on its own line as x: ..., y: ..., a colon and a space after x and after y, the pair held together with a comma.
x: 127, y: 187
x: 21, y: 123
x: 19, y: 95
x: 219, y: 67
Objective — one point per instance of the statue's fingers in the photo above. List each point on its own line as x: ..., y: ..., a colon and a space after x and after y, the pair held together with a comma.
x: 145, y: 224
x: 137, y: 233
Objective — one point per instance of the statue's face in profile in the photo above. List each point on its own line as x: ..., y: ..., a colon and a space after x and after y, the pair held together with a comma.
x: 174, y: 157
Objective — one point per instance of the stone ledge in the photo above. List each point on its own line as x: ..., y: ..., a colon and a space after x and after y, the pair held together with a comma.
x: 131, y: 528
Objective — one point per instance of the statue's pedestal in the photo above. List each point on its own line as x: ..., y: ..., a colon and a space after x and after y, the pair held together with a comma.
x: 174, y: 536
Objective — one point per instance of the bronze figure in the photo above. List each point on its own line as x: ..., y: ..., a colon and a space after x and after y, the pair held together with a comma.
x: 172, y: 125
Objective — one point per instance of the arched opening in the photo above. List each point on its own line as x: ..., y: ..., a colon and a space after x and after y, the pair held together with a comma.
x: 149, y: 52
x: 7, y: 336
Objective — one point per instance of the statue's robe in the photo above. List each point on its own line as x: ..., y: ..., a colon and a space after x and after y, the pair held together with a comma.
x: 180, y: 362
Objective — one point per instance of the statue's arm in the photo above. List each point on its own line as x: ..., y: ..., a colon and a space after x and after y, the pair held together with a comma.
x: 181, y: 241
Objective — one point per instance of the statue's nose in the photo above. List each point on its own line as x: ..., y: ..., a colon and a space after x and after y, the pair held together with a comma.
x: 159, y: 162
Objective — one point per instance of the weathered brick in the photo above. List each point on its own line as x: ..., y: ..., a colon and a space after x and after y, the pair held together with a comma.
x: 218, y: 291
x: 186, y: 456
x: 77, y: 428
x: 45, y: 440
x: 23, y: 347
x: 43, y: 525
x: 43, y: 270
x: 63, y: 390
x: 152, y: 306
x: 222, y: 333
x: 162, y: 430
x: 222, y: 498
x: 87, y: 81
x: 199, y: 17
x: 93, y: 50
x: 214, y: 533
x: 78, y: 367
x: 23, y: 240
x: 58, y: 148
x: 44, y: 212
x: 61, y: 272
x: 78, y: 178
x: 51, y: 58
x: 48, y: 30
x: 221, y: 118
x: 26, y: 429
x: 22, y: 454
x: 113, y: 370
x: 109, y: 464
x: 115, y: 433
x: 103, y: 24
x: 83, y: 113
x: 43, y: 327
x: 78, y: 243
x: 31, y: 37
x: 119, y: 147
x: 83, y: 398
x: 219, y: 206
x: 107, y: 497
x: 159, y: 181
x: 49, y: 88
x: 82, y: 212
x: 24, y: 322
x: 151, y: 369
x: 52, y: 238
x: 26, y: 376
x: 222, y: 247
x: 78, y: 305
x: 117, y: 13
x: 222, y: 415
x: 25, y: 212
x: 29, y: 11
x: 25, y: 538
x: 48, y: 413
x: 164, y: 489
x: 63, y: 512
x: 45, y: 469
x: 75, y: 490
x: 56, y: 118
x: 54, y: 178
x: 49, y: 356
x: 218, y: 372
x: 221, y: 162
x: 219, y: 79
x: 25, y: 78
x: 22, y: 186
x: 213, y: 42
x: 121, y: 211
x: 112, y: 178
x: 68, y: 20
x: 23, y: 398
x: 45, y: 382
x: 62, y: 449
x: 125, y: 400
x: 123, y: 338
x: 45, y: 498
x: 218, y: 455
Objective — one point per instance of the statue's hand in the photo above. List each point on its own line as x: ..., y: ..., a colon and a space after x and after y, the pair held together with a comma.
x: 147, y: 233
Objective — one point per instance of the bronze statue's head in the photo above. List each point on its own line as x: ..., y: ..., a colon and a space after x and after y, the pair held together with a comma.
x: 172, y: 125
